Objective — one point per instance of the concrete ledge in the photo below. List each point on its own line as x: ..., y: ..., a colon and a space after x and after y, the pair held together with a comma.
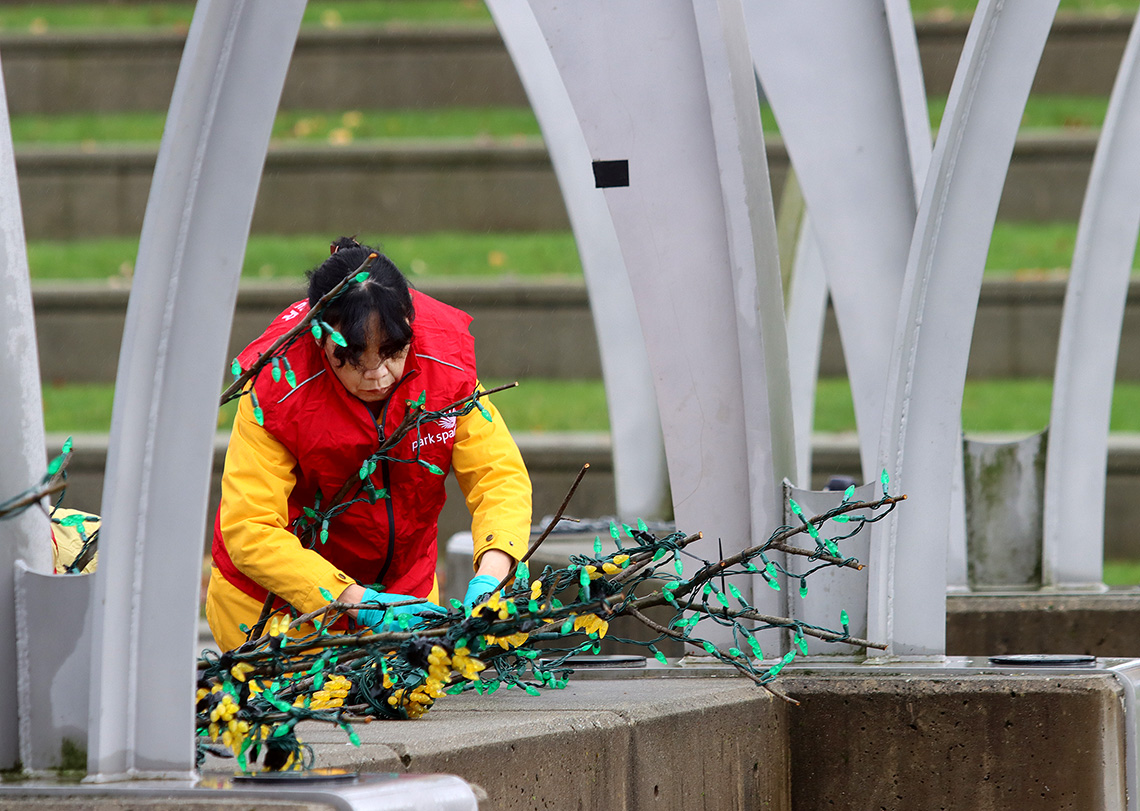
x: 545, y: 329
x: 951, y: 734
x: 1097, y: 624
x: 509, y: 318
x: 979, y: 741
x: 371, y: 66
x: 702, y: 743
x: 407, y: 187
x: 554, y: 459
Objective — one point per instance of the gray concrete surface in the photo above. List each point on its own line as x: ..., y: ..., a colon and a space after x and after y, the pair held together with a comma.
x: 954, y: 741
x: 949, y: 736
x: 509, y: 318
x: 992, y: 624
x: 554, y: 459
x: 543, y: 329
x: 406, y: 187
x: 338, y: 69
x: 701, y: 743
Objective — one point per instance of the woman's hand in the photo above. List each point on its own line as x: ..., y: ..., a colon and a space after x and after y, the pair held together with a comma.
x: 493, y: 567
x: 374, y: 617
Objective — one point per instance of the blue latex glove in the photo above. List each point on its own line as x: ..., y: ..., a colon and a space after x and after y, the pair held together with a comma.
x: 480, y: 586
x: 374, y: 617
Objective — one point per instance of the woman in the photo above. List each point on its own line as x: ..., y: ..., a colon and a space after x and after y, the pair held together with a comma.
x: 312, y: 430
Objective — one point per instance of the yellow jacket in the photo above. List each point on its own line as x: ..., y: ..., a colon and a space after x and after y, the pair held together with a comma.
x: 254, y: 517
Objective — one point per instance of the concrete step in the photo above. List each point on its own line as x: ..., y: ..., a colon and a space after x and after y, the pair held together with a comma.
x: 553, y: 460
x: 411, y: 67
x: 386, y: 187
x: 80, y: 326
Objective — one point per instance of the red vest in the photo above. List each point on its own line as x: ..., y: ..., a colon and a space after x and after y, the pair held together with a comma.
x: 330, y: 432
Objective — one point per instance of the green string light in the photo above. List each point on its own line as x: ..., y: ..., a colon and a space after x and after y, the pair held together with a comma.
x: 508, y: 638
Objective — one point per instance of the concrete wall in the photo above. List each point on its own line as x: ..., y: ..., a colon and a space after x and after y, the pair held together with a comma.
x: 1090, y: 624
x: 362, y: 67
x: 1095, y: 44
x: 552, y: 461
x: 957, y: 739
x: 544, y: 329
x: 950, y: 742
x: 387, y: 188
x: 428, y: 186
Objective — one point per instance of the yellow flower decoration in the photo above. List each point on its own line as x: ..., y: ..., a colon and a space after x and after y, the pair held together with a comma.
x: 507, y: 642
x: 466, y: 665
x: 591, y: 623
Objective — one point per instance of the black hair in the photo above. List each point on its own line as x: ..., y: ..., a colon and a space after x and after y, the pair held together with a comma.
x: 385, y: 293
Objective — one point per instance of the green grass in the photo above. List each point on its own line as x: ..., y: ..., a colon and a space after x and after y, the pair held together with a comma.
x: 1041, y: 113
x: 91, y: 130
x: 959, y: 8
x: 1018, y: 250
x: 423, y: 256
x: 39, y: 19
x: 1122, y: 572
x: 1016, y: 406
x: 1044, y: 112
x: 535, y: 406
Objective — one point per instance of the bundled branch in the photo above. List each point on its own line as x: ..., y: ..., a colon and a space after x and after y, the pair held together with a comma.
x: 523, y: 636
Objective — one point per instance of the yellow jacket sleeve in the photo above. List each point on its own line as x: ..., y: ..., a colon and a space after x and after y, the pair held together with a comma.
x: 494, y: 481
x: 254, y: 517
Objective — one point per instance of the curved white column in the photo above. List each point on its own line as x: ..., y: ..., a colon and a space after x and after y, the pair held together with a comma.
x: 24, y: 537
x: 696, y: 228
x: 640, y: 476
x: 178, y: 321
x: 806, y: 311
x: 920, y: 432
x: 830, y: 72
x: 1073, y: 552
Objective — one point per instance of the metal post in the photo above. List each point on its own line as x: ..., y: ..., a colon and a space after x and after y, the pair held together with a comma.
x: 665, y: 172
x: 162, y: 429
x: 26, y: 537
x: 1090, y: 342
x: 944, y: 273
x: 831, y: 75
x: 640, y: 476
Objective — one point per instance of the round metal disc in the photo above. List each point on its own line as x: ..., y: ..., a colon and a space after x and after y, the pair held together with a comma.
x: 1044, y: 660
x: 311, y: 776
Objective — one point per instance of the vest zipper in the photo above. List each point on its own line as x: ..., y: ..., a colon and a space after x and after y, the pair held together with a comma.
x: 386, y: 480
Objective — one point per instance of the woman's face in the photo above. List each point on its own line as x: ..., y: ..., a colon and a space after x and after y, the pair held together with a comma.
x: 373, y: 377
